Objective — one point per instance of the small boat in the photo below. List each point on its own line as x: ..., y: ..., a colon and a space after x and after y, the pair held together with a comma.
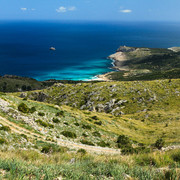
x: 52, y: 48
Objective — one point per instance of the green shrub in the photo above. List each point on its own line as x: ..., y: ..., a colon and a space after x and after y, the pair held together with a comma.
x: 94, y: 117
x: 23, y: 108
x: 98, y: 123
x: 103, y: 144
x: 48, y: 138
x: 45, y: 124
x: 123, y: 140
x: 42, y: 123
x: 66, y: 123
x: 142, y: 149
x: 51, y: 125
x: 25, y: 99
x: 89, y: 119
x: 41, y: 114
x: 145, y: 160
x: 159, y: 143
x: 127, y: 149
x: 96, y: 133
x: 32, y: 110
x: 47, y: 149
x: 82, y: 151
x: 84, y: 134
x: 86, y: 126
x: 176, y: 156
x: 60, y: 113
x: 83, y: 141
x: 56, y: 120
x: 76, y: 124
x: 24, y: 136
x: 50, y: 148
x: 5, y: 128
x: 2, y: 141
x: 69, y: 134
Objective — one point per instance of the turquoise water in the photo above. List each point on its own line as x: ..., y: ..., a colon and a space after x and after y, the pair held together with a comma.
x: 82, y: 48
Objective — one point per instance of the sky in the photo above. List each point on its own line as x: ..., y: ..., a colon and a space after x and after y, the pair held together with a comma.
x: 96, y: 10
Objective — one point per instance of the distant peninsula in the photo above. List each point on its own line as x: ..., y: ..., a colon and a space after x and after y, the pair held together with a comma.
x: 134, y: 63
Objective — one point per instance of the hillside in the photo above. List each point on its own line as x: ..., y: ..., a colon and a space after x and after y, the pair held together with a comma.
x: 95, y: 130
x: 145, y: 64
x: 116, y: 98
x: 77, y: 136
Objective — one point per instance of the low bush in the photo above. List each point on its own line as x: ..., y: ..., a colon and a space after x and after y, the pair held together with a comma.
x: 69, y: 134
x: 50, y: 148
x: 83, y: 141
x: 84, y: 134
x: 45, y: 124
x: 89, y: 119
x: 176, y: 156
x: 47, y: 149
x: 32, y: 110
x: 103, y: 144
x: 2, y: 141
x: 127, y: 149
x: 123, y: 140
x: 51, y: 125
x: 48, y: 138
x: 42, y: 123
x: 94, y: 117
x: 56, y: 120
x: 86, y: 126
x: 145, y: 160
x: 41, y: 114
x: 5, y: 128
x: 24, y: 136
x: 82, y: 151
x: 76, y: 124
x: 142, y: 149
x: 66, y: 123
x: 159, y: 143
x: 60, y: 113
x: 98, y: 123
x: 23, y: 108
x: 96, y: 133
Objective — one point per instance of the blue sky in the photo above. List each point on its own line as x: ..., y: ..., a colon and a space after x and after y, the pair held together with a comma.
x: 105, y: 10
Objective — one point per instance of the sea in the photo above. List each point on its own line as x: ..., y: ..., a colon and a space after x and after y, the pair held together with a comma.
x: 81, y: 47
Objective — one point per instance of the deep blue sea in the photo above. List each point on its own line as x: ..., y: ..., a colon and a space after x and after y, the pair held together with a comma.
x: 81, y: 47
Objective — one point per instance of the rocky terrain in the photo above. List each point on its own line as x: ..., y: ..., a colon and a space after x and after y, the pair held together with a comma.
x: 124, y: 125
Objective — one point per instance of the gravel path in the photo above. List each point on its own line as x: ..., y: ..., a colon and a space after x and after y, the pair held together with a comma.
x: 92, y: 149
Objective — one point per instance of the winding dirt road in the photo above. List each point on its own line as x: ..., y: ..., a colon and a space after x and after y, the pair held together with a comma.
x: 91, y: 149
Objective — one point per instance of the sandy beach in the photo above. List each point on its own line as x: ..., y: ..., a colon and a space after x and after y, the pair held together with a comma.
x: 118, y: 60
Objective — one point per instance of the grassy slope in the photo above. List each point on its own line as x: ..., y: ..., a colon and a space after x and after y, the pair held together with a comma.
x: 33, y: 165
x: 161, y: 119
x: 151, y: 110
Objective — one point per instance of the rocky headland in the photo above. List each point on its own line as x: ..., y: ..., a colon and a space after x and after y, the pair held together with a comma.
x: 133, y: 63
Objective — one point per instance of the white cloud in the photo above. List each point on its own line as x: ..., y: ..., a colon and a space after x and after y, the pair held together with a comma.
x: 23, y: 9
x: 61, y: 9
x: 33, y: 9
x: 72, y: 8
x: 126, y: 11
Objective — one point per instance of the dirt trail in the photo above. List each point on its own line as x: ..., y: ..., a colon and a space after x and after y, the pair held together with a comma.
x: 92, y: 149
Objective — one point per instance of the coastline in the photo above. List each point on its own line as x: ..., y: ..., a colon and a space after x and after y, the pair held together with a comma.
x: 117, y: 59
x: 123, y: 54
